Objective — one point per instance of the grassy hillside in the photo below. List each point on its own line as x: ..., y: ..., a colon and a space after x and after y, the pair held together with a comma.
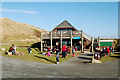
x: 12, y: 31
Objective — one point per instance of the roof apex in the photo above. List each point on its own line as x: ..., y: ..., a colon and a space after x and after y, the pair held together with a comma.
x: 65, y: 20
x: 64, y: 24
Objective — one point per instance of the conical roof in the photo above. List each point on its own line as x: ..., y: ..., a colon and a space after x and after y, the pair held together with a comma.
x: 64, y: 24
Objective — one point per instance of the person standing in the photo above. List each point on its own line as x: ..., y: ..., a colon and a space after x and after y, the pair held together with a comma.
x: 97, y: 49
x: 108, y: 51
x: 73, y: 51
x: 53, y: 50
x: 68, y: 50
x: 111, y: 49
x: 102, y: 52
x: 29, y: 50
x: 64, y: 51
x: 75, y: 48
x: 57, y: 49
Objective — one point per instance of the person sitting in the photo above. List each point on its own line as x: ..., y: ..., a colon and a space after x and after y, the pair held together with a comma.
x: 48, y: 54
x: 12, y: 49
x: 44, y: 53
x: 6, y: 52
x: 48, y: 48
x: 53, y: 50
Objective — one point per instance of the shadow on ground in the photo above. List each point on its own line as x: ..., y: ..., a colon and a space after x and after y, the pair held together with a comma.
x: 118, y: 55
x: 45, y: 59
x: 89, y: 60
x: 40, y: 53
x: 85, y: 62
x: 36, y: 46
x: 115, y: 56
x: 86, y: 58
x: 87, y: 54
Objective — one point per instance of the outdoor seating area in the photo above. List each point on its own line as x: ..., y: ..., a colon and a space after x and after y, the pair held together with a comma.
x: 12, y: 51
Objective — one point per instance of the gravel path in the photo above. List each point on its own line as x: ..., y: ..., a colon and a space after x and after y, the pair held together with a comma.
x: 72, y: 68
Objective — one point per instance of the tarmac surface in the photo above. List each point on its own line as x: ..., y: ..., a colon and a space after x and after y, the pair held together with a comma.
x: 72, y: 68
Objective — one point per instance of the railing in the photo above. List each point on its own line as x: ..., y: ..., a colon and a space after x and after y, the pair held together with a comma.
x: 86, y: 36
x: 46, y: 34
x: 55, y: 33
x: 65, y: 34
x: 76, y: 33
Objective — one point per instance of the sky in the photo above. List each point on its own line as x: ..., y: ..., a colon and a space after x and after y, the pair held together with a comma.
x: 97, y: 19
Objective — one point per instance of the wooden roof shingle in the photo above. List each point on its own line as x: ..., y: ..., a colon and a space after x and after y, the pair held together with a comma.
x: 65, y: 24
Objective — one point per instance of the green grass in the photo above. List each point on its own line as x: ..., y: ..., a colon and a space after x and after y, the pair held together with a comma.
x: 110, y: 57
x: 37, y: 57
x: 34, y: 56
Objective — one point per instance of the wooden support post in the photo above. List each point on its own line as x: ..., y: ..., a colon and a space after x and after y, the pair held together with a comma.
x: 82, y: 50
x: 51, y: 40
x: 61, y: 40
x: 98, y: 42
x: 92, y: 40
x: 41, y: 42
x: 71, y: 39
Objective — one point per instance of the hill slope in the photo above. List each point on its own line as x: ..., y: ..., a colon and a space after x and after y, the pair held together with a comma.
x: 12, y: 30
